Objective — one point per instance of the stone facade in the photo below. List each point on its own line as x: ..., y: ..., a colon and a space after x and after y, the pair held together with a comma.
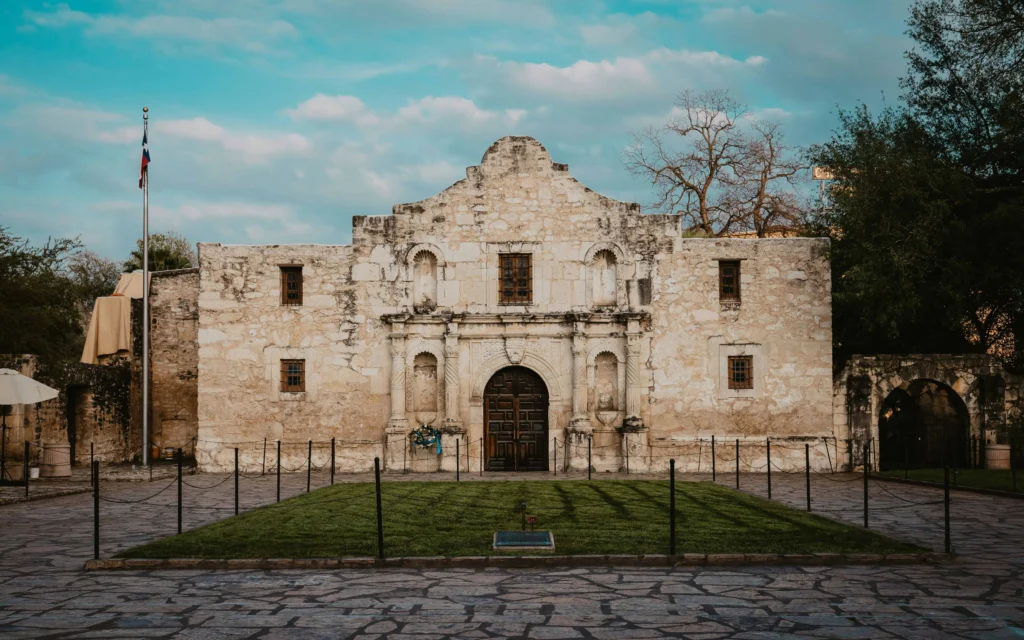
x: 174, y: 358
x: 974, y: 389
x: 406, y: 326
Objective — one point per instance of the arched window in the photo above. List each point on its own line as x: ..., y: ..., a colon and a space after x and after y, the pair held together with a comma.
x: 424, y: 282
x: 606, y: 381
x: 603, y: 279
x: 424, y: 375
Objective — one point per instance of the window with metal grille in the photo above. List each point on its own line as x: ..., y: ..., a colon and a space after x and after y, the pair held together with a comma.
x: 741, y: 372
x: 644, y: 287
x: 516, y: 278
x: 293, y: 376
x: 729, y: 280
x: 291, y: 285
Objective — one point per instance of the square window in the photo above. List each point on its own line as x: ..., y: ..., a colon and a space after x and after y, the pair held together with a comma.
x: 293, y: 376
x: 291, y: 285
x: 741, y: 372
x: 728, y: 280
x: 515, y: 285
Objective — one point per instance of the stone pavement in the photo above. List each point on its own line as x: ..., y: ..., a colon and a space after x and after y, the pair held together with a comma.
x: 45, y: 594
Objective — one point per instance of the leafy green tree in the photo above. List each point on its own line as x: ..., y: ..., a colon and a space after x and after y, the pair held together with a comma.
x: 926, y: 211
x: 40, y: 311
x: 167, y: 251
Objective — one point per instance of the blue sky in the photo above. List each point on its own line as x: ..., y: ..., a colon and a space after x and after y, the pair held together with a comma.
x: 276, y: 121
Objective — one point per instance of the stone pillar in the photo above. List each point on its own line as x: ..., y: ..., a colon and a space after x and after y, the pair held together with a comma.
x: 452, y: 429
x: 580, y: 431
x: 397, y: 432
x: 633, y: 382
x: 451, y: 376
x: 580, y: 419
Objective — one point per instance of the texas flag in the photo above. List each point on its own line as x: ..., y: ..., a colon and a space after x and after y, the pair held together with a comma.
x: 145, y: 159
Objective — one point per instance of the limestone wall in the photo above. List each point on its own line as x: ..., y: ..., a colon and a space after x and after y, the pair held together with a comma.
x: 784, y: 320
x: 405, y: 327
x: 174, y: 357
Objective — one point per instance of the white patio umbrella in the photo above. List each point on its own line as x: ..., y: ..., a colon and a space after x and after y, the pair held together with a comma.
x: 18, y: 389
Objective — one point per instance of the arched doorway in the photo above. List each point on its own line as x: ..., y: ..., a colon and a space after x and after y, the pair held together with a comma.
x: 516, y: 421
x: 923, y: 424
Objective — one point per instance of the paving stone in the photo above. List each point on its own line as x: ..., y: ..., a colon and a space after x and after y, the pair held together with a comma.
x: 44, y: 592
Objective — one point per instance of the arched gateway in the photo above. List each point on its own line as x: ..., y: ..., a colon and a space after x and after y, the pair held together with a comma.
x: 516, y: 421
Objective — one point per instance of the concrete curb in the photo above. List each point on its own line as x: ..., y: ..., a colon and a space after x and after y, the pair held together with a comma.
x: 938, y: 485
x: 521, y: 562
x: 32, y: 497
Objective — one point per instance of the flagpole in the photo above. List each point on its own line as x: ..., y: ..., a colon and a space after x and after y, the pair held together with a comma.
x: 145, y: 300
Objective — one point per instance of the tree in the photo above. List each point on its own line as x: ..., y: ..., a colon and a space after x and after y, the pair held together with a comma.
x: 167, y: 251
x: 723, y: 171
x: 927, y: 209
x: 40, y: 311
x: 93, y: 275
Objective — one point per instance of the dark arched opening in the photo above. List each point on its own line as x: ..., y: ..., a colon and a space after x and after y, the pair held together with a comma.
x: 923, y: 424
x: 516, y: 421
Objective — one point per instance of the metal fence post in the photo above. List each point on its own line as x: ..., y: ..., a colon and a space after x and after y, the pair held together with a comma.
x: 481, y: 457
x: 737, y: 463
x: 179, y: 489
x: 865, y: 486
x: 332, y: 461
x: 556, y: 456
x: 380, y: 515
x: 279, y: 471
x: 625, y: 437
x: 236, y: 481
x: 768, y: 448
x: 263, y: 469
x: 28, y: 452
x: 672, y: 507
x: 458, y: 459
x: 1013, y: 465
x: 807, y: 472
x: 92, y: 458
x: 589, y: 465
x: 713, y: 474
x: 309, y: 465
x: 95, y: 468
x: 945, y: 487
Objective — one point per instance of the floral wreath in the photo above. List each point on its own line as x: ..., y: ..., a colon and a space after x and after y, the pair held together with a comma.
x: 425, y: 437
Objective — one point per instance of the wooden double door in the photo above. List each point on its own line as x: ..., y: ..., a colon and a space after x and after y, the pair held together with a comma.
x: 516, y: 421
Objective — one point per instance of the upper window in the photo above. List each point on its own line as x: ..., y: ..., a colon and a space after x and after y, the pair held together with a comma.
x: 516, y: 283
x: 291, y: 285
x: 741, y: 372
x: 293, y: 376
x: 729, y: 280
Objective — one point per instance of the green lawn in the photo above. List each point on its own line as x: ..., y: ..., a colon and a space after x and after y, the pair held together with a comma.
x: 457, y: 519
x: 978, y: 478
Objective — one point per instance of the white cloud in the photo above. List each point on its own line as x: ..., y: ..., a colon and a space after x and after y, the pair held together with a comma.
x: 611, y: 80
x: 249, y: 35
x: 334, y: 108
x: 10, y: 90
x: 282, y: 217
x: 430, y: 110
x: 253, y: 148
x: 607, y: 34
x: 532, y: 13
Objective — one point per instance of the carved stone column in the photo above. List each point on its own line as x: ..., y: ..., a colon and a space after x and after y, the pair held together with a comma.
x: 397, y: 432
x: 633, y: 381
x: 580, y: 419
x: 451, y: 376
x: 452, y: 429
x: 635, y: 449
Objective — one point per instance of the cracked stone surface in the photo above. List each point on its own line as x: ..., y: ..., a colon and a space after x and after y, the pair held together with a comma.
x: 44, y: 593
